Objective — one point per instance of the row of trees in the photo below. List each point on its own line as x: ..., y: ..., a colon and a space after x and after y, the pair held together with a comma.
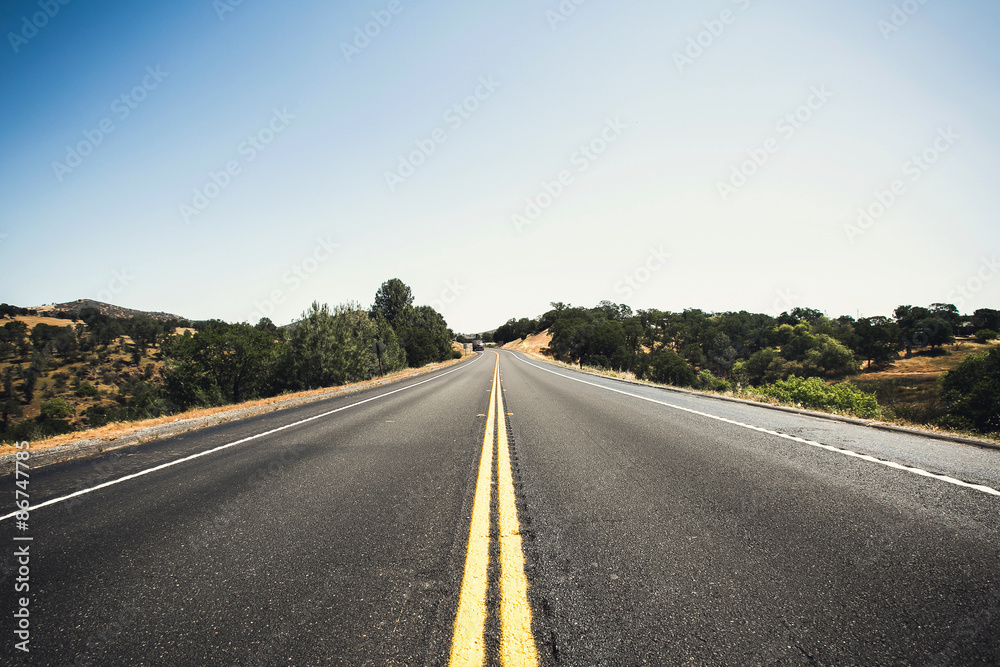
x: 751, y: 347
x: 709, y: 350
x: 219, y: 362
x: 227, y: 363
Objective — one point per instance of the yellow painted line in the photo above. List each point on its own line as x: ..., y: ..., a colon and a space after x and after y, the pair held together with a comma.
x: 467, y: 645
x: 517, y: 643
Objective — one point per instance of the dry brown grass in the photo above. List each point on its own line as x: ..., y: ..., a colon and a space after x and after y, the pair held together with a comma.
x: 32, y: 320
x: 537, y: 344
x: 924, y: 364
x: 120, y: 429
x: 910, y: 390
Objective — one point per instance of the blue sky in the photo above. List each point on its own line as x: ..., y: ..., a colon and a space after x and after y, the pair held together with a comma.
x: 221, y: 160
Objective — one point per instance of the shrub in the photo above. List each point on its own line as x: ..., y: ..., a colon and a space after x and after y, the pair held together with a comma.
x: 985, y: 335
x: 26, y: 430
x: 56, y: 408
x: 86, y: 390
x: 972, y: 391
x: 667, y: 367
x: 814, y: 393
x: 708, y: 381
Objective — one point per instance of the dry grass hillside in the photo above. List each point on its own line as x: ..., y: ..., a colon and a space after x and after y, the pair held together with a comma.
x: 94, y: 380
x: 910, y: 387
x: 536, y: 344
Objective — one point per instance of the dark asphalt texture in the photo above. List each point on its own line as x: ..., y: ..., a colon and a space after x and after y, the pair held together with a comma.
x: 652, y: 536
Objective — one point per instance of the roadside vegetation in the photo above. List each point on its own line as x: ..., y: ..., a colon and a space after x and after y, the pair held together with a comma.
x: 927, y: 366
x: 96, y: 369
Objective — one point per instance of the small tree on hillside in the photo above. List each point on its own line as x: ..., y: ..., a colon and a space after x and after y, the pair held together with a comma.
x: 878, y: 339
x: 933, y: 331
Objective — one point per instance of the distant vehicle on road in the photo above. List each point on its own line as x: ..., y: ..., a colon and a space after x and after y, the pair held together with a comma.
x: 477, y: 345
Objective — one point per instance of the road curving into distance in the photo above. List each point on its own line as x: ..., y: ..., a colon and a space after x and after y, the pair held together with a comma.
x: 509, y: 512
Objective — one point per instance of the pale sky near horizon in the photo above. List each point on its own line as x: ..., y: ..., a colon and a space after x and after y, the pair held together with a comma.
x: 214, y: 159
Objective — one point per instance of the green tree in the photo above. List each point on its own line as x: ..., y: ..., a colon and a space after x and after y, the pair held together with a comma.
x: 933, y: 331
x: 54, y: 416
x: 878, y: 339
x: 829, y: 358
x: 569, y: 334
x: 425, y: 336
x: 756, y: 367
x: 393, y: 300
x: 667, y: 367
x: 908, y: 318
x: 947, y: 312
x: 221, y: 363
x: 29, y: 378
x: 10, y: 407
x: 986, y: 318
x: 328, y: 348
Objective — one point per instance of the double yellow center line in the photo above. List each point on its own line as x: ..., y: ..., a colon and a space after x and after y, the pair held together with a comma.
x: 517, y: 644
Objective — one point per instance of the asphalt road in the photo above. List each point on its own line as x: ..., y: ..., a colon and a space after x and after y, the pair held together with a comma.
x: 655, y: 528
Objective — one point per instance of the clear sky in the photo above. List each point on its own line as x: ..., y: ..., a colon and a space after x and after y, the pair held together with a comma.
x: 231, y: 160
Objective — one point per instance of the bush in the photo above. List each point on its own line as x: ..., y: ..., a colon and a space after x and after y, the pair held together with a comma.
x: 985, y: 335
x: 708, y: 381
x: 99, y: 415
x: 86, y: 390
x: 26, y: 430
x: 814, y: 393
x: 667, y: 367
x: 56, y: 408
x: 972, y: 391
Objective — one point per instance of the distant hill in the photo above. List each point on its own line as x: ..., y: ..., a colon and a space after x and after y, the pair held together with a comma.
x: 108, y: 309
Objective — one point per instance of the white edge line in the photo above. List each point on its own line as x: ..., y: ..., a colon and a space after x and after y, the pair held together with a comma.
x: 846, y: 452
x: 184, y: 459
